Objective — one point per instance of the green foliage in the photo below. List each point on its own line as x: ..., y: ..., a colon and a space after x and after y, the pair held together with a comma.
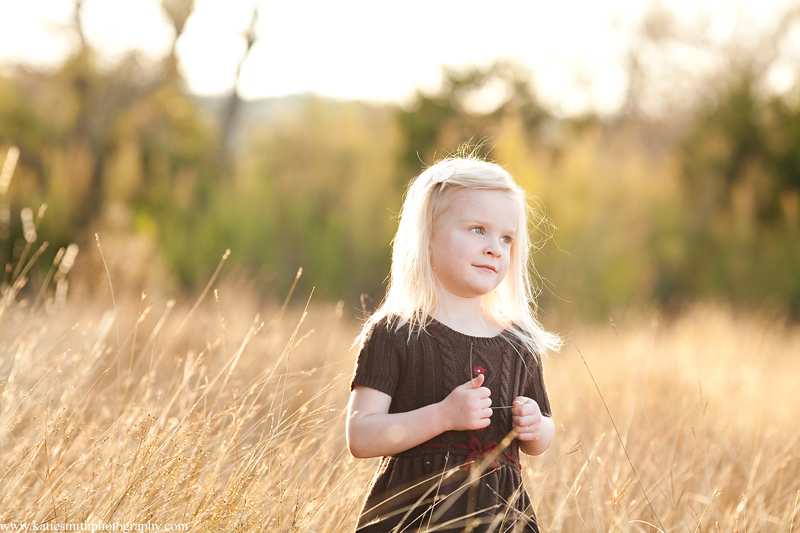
x: 741, y: 173
x: 469, y: 108
x: 613, y: 228
x: 315, y: 190
x: 93, y: 140
x: 714, y: 212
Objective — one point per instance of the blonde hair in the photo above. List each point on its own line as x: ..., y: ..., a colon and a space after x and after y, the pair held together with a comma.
x: 411, y: 296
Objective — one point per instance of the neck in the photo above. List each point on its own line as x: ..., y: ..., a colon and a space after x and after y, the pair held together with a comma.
x: 465, y: 316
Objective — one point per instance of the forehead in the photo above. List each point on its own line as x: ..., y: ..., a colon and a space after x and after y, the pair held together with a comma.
x: 480, y: 205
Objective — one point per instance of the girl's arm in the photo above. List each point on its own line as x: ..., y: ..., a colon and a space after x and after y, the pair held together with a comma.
x: 373, y: 432
x: 535, y: 431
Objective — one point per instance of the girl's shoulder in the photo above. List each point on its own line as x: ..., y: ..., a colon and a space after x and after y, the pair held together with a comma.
x: 387, y: 322
x: 386, y: 327
x: 522, y: 342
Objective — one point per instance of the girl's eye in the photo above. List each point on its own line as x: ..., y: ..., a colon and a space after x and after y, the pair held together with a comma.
x: 477, y: 229
x: 506, y: 239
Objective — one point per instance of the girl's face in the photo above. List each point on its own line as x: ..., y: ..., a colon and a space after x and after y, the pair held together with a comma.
x: 471, y: 241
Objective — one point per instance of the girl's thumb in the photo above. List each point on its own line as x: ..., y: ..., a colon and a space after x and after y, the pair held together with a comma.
x: 477, y: 381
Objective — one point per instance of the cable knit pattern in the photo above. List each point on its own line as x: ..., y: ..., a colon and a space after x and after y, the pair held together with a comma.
x: 451, y: 370
x: 423, y: 369
x: 506, y: 365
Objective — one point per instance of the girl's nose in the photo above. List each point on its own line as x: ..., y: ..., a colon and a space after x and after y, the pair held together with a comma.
x: 493, y: 250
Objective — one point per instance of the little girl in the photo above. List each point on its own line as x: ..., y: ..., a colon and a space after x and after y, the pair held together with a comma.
x: 448, y: 383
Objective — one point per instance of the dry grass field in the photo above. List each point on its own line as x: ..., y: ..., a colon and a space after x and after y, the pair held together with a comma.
x: 228, y: 415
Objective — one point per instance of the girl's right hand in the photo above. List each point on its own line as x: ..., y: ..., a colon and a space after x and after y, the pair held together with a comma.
x: 467, y: 407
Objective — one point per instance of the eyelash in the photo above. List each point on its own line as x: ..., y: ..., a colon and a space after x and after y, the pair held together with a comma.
x: 508, y: 238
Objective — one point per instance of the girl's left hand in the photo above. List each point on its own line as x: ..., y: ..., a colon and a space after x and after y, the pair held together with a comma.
x: 526, y: 417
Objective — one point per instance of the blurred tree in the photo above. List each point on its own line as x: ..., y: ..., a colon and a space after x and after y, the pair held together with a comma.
x: 178, y: 13
x: 232, y: 109
x: 705, y: 96
x: 742, y: 184
x: 314, y: 190
x: 713, y: 210
x: 99, y: 142
x: 468, y: 109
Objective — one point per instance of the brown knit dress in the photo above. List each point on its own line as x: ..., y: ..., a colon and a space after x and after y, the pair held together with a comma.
x: 460, y: 480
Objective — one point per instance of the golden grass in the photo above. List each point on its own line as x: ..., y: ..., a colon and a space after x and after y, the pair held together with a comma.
x: 706, y: 408
x: 229, y: 416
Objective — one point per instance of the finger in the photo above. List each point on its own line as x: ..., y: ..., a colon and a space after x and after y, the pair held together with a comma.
x: 522, y: 411
x: 527, y: 436
x: 477, y: 381
x: 519, y: 410
x: 524, y: 429
x: 525, y: 421
x: 484, y: 392
x: 529, y: 429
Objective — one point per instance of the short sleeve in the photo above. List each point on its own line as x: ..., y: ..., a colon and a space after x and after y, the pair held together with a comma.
x: 535, y: 387
x: 380, y: 359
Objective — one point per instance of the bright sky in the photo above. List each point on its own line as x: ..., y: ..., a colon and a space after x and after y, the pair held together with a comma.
x: 366, y: 49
